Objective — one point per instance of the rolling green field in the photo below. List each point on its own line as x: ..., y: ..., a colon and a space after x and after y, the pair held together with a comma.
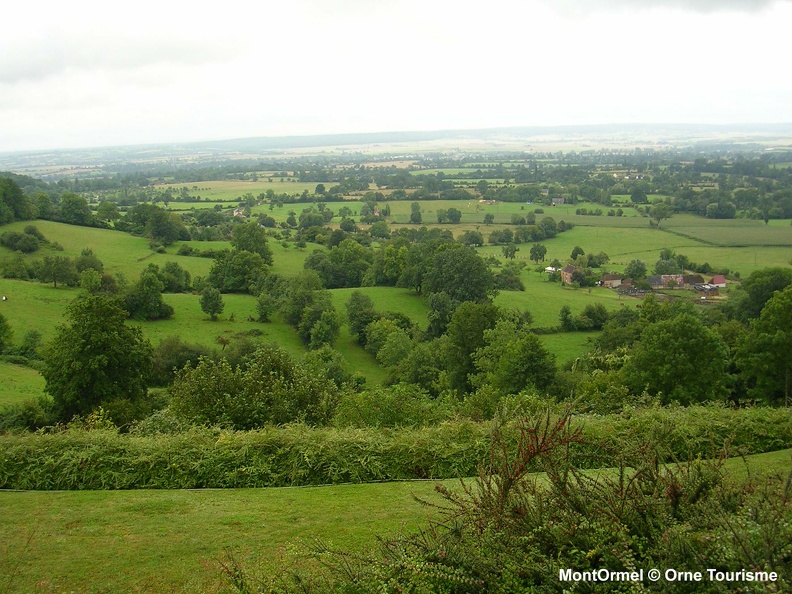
x: 19, y: 383
x: 173, y: 541
x: 227, y: 190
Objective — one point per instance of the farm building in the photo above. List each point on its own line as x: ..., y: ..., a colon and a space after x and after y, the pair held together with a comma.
x: 719, y: 281
x: 611, y: 280
x: 689, y: 281
x: 566, y: 273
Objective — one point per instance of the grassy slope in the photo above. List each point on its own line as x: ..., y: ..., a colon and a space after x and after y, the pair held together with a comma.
x: 19, y: 383
x: 126, y: 541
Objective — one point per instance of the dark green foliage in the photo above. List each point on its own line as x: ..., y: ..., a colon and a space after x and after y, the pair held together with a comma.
x: 172, y: 354
x: 400, y: 405
x: 20, y: 242
x: 144, y: 300
x: 759, y: 288
x: 75, y: 210
x: 343, y: 266
x: 251, y: 237
x: 765, y: 355
x: 212, y: 302
x: 237, y: 271
x: 681, y: 359
x: 538, y: 252
x: 360, y: 313
x: 266, y: 305
x: 459, y: 272
x: 466, y: 333
x: 508, y: 278
x: 14, y: 205
x: 56, y: 269
x: 441, y: 308
x: 270, y: 388
x: 512, y: 360
x: 96, y: 359
x: 635, y: 270
x: 87, y: 259
x: 296, y: 455
x: 327, y: 361
x: 509, y: 531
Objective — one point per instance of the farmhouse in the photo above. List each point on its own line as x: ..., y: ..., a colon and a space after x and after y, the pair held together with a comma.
x: 611, y: 280
x: 558, y: 201
x: 566, y: 273
x: 719, y: 281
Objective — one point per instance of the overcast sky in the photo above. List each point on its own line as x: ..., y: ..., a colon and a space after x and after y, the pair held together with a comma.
x: 85, y: 73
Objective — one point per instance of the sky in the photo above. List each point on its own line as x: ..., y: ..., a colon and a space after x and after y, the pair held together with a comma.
x: 81, y: 74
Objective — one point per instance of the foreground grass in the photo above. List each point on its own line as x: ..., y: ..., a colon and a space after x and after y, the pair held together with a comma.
x: 172, y: 541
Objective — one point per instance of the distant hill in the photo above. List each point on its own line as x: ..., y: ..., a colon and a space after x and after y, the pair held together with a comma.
x: 85, y: 162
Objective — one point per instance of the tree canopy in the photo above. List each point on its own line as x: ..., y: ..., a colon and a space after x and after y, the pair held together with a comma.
x: 96, y: 360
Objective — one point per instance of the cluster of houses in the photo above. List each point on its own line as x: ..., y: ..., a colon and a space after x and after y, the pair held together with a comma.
x: 695, y: 282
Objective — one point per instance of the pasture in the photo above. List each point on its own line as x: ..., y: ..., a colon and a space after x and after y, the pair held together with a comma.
x: 19, y: 383
x: 158, y: 541
x: 234, y: 190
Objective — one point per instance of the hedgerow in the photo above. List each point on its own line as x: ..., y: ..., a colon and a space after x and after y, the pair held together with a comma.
x: 79, y: 458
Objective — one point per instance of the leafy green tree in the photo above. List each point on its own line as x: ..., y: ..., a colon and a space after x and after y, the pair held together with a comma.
x: 96, y: 359
x: 441, y: 308
x: 576, y: 251
x: 489, y: 218
x: 270, y: 389
x: 760, y: 287
x: 380, y: 230
x: 87, y: 259
x: 165, y: 227
x: 510, y: 251
x: 659, y: 212
x: 14, y: 205
x: 57, y: 269
x: 454, y: 215
x: 466, y: 335
x: 237, y: 272
x: 107, y: 211
x: 765, y: 356
x: 635, y: 269
x: 681, y: 359
x: 415, y: 213
x: 212, y: 302
x: 144, y: 300
x: 512, y: 360
x: 251, y: 237
x: 75, y: 210
x: 266, y: 305
x: 472, y: 238
x: 461, y: 273
x: 538, y: 252
x: 360, y: 313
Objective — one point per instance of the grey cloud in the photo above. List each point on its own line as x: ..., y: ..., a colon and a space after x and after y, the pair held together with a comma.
x: 52, y: 56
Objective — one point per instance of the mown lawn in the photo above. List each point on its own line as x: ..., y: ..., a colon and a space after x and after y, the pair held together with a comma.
x: 173, y: 541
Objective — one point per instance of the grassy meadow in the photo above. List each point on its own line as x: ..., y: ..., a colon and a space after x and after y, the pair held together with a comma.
x: 19, y: 383
x: 174, y: 541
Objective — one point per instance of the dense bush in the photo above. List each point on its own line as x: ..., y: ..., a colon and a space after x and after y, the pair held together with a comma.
x: 270, y: 388
x: 511, y: 531
x: 299, y: 455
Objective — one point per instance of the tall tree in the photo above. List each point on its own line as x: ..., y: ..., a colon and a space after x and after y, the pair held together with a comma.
x: 96, y: 358
x: 461, y: 273
x: 252, y: 237
x: 766, y: 354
